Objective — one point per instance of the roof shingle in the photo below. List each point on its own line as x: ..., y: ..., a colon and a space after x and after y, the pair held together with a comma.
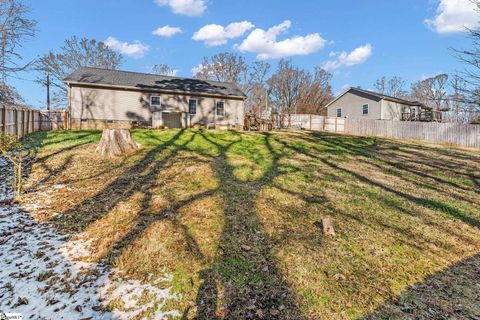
x: 146, y: 81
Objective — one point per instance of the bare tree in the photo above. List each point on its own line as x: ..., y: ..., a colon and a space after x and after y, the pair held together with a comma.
x: 469, y: 86
x: 432, y: 92
x: 15, y: 28
x: 286, y: 87
x: 75, y: 53
x: 316, y: 92
x: 225, y: 67
x: 394, y: 87
x: 256, y: 87
x: 164, y: 70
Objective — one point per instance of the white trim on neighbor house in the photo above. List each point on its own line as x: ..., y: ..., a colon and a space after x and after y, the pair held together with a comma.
x: 363, y: 109
x: 381, y: 109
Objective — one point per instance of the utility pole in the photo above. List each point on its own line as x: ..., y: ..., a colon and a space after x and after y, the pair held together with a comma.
x: 48, y: 91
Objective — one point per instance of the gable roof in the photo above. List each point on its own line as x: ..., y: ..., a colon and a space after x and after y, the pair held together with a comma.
x: 151, y: 82
x: 378, y: 96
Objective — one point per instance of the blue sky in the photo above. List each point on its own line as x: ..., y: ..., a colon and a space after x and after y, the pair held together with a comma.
x: 359, y: 41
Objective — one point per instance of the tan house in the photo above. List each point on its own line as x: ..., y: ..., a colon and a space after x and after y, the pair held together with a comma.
x: 100, y: 98
x: 357, y: 103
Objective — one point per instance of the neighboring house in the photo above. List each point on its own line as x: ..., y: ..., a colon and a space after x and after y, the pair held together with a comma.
x: 101, y: 98
x: 357, y: 103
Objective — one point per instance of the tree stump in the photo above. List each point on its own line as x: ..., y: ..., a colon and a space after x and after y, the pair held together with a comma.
x: 116, y: 142
x: 328, y: 226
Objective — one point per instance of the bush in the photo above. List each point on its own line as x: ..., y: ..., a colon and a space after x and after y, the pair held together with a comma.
x: 12, y: 149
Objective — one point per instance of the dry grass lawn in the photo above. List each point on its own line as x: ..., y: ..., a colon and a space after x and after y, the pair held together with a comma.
x: 235, y: 218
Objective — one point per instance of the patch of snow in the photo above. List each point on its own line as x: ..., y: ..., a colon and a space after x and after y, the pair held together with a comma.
x: 41, y: 276
x: 6, y: 191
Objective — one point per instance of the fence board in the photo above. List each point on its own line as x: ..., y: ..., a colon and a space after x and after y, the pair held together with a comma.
x: 466, y: 135
x: 20, y: 121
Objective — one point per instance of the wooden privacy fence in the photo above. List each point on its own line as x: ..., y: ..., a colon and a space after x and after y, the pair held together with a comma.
x: 466, y: 135
x: 20, y: 121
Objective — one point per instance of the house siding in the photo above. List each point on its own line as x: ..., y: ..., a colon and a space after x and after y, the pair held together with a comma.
x: 351, y: 105
x: 99, y: 105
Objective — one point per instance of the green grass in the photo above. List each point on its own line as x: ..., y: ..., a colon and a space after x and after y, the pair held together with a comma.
x: 235, y: 217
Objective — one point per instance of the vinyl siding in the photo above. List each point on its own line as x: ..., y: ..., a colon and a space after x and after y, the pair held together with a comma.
x: 130, y: 105
x: 351, y: 105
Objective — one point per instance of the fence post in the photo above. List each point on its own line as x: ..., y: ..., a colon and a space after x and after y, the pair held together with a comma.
x: 4, y: 119
x: 336, y: 124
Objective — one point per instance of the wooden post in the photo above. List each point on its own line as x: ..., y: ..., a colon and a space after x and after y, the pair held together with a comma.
x: 4, y: 119
x: 336, y: 118
x: 15, y: 121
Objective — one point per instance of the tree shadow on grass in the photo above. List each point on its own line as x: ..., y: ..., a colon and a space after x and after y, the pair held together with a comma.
x: 244, y: 265
x: 453, y: 293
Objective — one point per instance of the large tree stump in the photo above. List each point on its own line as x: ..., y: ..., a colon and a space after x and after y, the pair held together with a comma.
x: 116, y: 142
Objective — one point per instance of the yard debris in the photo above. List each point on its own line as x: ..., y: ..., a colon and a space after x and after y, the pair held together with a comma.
x: 245, y: 247
x: 327, y: 226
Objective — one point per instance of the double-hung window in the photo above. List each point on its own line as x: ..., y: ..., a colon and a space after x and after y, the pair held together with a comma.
x: 339, y: 112
x: 365, y: 108
x: 155, y: 101
x: 192, y: 106
x: 220, y: 108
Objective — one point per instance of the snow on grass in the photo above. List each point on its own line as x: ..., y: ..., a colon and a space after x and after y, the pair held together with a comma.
x: 42, y: 274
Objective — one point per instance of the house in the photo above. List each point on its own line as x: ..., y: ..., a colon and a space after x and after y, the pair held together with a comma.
x: 357, y: 103
x: 101, y: 98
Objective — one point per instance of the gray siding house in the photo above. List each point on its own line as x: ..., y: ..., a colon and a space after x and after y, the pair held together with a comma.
x: 101, y: 98
x: 357, y: 103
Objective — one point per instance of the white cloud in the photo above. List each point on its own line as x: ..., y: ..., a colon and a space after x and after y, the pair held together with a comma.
x: 215, y: 35
x: 192, y: 8
x: 265, y: 44
x: 135, y: 50
x: 357, y: 56
x: 166, y: 31
x: 454, y: 16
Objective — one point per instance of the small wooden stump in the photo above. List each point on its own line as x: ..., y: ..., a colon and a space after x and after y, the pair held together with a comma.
x: 327, y: 226
x: 116, y: 142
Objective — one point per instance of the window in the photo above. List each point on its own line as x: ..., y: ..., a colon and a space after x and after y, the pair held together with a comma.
x: 155, y: 100
x: 365, y: 109
x: 339, y: 112
x: 220, y: 108
x: 192, y: 106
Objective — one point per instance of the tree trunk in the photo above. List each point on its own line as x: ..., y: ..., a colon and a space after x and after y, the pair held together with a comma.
x: 116, y: 142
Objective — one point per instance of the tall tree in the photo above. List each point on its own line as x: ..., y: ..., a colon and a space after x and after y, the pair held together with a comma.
x: 257, y: 89
x: 15, y: 28
x: 469, y: 86
x: 224, y: 66
x: 286, y: 87
x: 73, y: 54
x: 432, y: 92
x: 316, y: 92
x: 394, y: 87
x: 164, y: 70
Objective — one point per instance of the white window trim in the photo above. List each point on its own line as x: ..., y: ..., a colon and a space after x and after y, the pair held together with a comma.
x: 196, y: 105
x: 216, y: 106
x: 156, y: 105
x: 368, y: 109
x: 336, y: 112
